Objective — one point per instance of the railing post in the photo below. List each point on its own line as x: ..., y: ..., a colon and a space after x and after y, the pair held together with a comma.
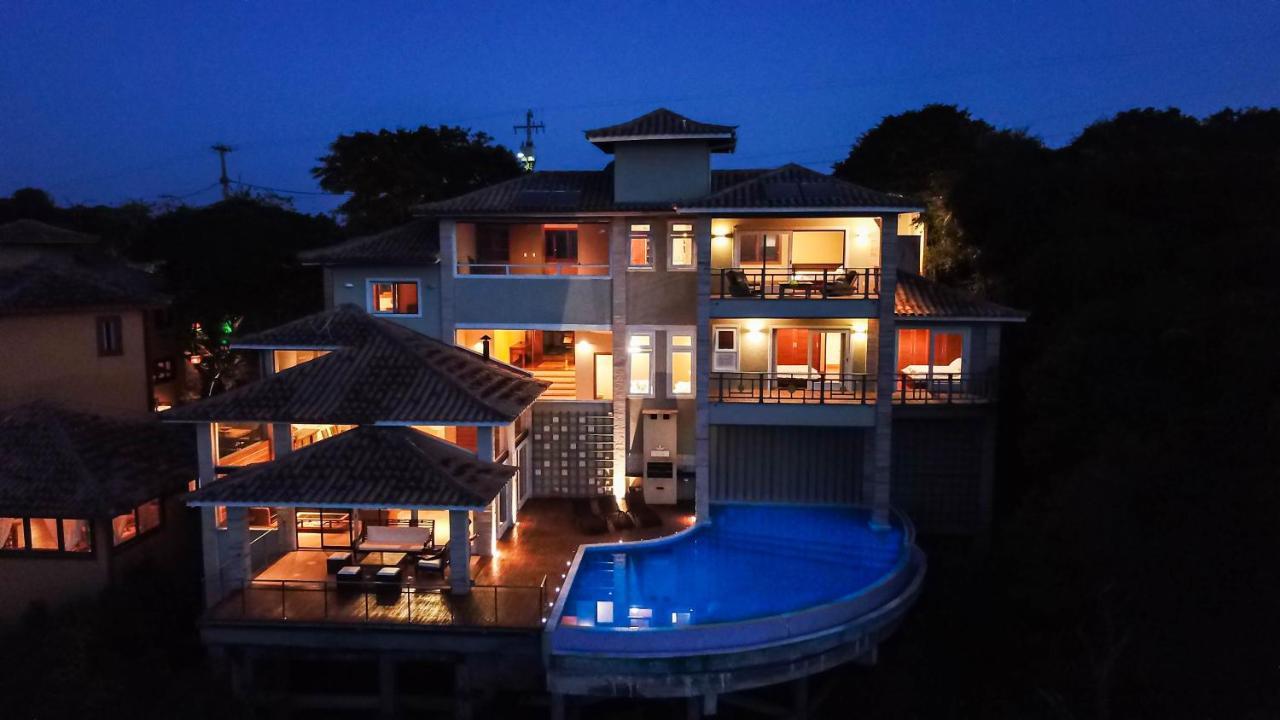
x: 284, y: 614
x: 364, y: 591
x: 822, y: 385
x: 760, y: 381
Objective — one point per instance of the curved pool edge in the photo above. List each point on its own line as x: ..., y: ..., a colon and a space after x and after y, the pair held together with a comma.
x: 725, y: 657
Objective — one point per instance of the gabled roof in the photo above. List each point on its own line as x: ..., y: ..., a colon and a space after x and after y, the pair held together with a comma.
x: 52, y: 284
x: 663, y: 124
x: 34, y: 232
x: 365, y: 467
x: 56, y: 462
x: 795, y: 187
x: 563, y: 192
x: 344, y: 326
x: 414, y: 243
x: 382, y: 373
x: 919, y: 297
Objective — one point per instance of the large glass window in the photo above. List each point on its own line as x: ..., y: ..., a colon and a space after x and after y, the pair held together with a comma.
x: 561, y: 244
x: 76, y: 535
x: 640, y: 363
x: 148, y: 516
x: 681, y: 246
x: 124, y: 527
x: 927, y: 351
x: 240, y: 445
x: 603, y: 369
x: 759, y: 247
x: 680, y: 364
x: 393, y: 297
x: 13, y: 535
x: 641, y: 255
x: 725, y: 351
x: 44, y: 533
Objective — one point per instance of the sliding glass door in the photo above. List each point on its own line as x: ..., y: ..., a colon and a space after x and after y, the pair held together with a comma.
x: 810, y: 352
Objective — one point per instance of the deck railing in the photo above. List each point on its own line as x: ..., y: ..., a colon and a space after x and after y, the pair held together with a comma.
x: 486, y: 606
x: 533, y: 270
x: 792, y: 388
x: 775, y: 283
x: 849, y: 389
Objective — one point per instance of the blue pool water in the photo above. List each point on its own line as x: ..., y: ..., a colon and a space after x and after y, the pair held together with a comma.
x: 750, y: 562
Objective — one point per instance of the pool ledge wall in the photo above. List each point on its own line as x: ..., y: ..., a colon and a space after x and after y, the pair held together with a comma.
x: 722, y: 657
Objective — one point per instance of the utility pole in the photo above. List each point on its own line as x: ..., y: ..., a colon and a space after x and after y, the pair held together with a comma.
x: 222, y: 149
x: 526, y: 154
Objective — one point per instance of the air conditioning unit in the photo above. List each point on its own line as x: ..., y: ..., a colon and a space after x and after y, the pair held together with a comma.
x: 660, y: 456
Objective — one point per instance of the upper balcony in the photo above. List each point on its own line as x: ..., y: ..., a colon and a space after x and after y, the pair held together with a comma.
x: 791, y: 267
x: 532, y: 273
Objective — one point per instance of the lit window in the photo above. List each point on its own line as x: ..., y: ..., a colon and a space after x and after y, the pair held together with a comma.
x: 110, y: 336
x: 725, y: 354
x: 640, y: 363
x: 148, y: 516
x: 124, y: 527
x: 44, y: 533
x: 682, y: 246
x: 162, y: 370
x: 263, y: 518
x: 603, y: 376
x: 12, y: 534
x: 680, y: 364
x: 561, y: 244
x: 76, y: 536
x: 640, y: 257
x: 393, y: 297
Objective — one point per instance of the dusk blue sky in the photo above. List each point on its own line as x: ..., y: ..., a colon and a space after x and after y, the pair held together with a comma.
x: 109, y: 101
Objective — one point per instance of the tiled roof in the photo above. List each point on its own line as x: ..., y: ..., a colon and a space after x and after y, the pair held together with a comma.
x: 663, y: 124
x: 56, y: 462
x: 344, y: 326
x: 919, y: 297
x: 387, y: 374
x: 367, y: 466
x: 34, y: 232
x: 794, y: 187
x: 561, y: 191
x: 414, y: 243
x: 50, y: 284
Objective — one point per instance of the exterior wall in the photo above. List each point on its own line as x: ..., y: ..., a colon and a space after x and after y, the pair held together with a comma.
x: 55, y: 357
x: 505, y: 301
x: 351, y: 285
x: 660, y: 296
x: 661, y: 170
x: 53, y: 580
x: 787, y: 465
x: 566, y: 460
x: 942, y: 468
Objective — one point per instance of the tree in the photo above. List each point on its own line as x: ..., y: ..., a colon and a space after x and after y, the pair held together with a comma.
x: 391, y: 171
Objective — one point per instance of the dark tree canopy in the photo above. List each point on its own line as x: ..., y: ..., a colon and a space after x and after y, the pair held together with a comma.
x: 390, y: 171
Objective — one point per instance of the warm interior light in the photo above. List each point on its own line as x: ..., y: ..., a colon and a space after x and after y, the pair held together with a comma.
x: 755, y: 326
x: 584, y: 346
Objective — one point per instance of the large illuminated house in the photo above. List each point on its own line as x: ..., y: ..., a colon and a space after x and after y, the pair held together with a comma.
x: 654, y: 430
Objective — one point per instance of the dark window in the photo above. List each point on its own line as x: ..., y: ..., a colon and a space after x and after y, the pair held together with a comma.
x: 162, y: 371
x: 561, y: 244
x: 110, y: 336
x: 394, y: 297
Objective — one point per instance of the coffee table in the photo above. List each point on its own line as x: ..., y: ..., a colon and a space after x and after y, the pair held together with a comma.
x: 383, y: 559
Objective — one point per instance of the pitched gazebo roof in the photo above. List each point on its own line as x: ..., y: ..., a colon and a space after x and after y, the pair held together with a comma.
x: 377, y: 467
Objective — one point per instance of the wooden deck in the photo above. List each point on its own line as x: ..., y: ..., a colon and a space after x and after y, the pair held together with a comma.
x: 511, y: 589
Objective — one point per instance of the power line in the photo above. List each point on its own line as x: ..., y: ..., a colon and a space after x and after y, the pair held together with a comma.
x: 286, y: 191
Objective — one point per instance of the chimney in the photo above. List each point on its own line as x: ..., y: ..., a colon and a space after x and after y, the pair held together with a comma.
x: 484, y: 343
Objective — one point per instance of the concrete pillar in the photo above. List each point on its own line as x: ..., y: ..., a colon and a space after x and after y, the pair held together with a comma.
x: 281, y: 440
x: 448, y: 266
x: 206, y: 453
x: 702, y: 366
x: 877, y: 486
x: 487, y: 519
x: 287, y: 528
x: 459, y: 552
x: 618, y: 248
x: 214, y: 589
x: 267, y: 358
x: 237, y: 565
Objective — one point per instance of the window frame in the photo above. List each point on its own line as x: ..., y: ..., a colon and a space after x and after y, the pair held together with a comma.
x: 966, y: 346
x: 106, y: 326
x: 139, y: 533
x: 634, y: 234
x: 717, y: 352
x: 691, y: 351
x: 650, y: 351
x: 671, y: 249
x: 549, y: 235
x: 370, y: 299
x: 29, y: 551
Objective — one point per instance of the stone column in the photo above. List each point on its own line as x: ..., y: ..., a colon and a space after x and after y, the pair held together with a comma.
x: 877, y: 486
x: 237, y: 567
x: 618, y: 325
x: 459, y: 552
x: 702, y: 366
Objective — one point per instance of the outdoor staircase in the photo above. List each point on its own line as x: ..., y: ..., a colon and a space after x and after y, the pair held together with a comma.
x: 563, y: 384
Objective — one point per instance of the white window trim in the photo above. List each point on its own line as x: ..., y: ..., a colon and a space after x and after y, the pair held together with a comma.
x: 736, y: 352
x: 368, y: 295
x: 693, y: 248
x: 652, y: 350
x: 693, y: 361
x: 631, y: 233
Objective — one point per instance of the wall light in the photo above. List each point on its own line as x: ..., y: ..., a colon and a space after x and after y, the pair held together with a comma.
x: 755, y: 326
x: 861, y: 237
x: 584, y: 346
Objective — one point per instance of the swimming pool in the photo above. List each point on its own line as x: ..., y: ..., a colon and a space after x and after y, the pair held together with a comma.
x: 753, y: 575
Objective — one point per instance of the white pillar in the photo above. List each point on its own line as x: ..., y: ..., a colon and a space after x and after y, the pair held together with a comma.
x: 287, y: 528
x: 237, y: 564
x: 702, y: 366
x: 486, y: 520
x: 214, y: 588
x: 206, y: 453
x: 448, y: 266
x: 876, y: 489
x: 459, y: 552
x: 281, y: 440
x: 618, y: 249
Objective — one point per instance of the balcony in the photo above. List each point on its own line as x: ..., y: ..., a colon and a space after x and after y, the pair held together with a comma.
x: 849, y: 389
x: 766, y: 283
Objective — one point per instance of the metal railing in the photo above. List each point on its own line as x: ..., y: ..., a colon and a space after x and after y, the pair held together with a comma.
x: 765, y: 283
x: 792, y: 388
x: 486, y: 606
x: 944, y: 388
x: 565, y: 269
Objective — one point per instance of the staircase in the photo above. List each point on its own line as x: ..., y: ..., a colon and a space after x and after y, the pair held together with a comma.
x: 563, y: 384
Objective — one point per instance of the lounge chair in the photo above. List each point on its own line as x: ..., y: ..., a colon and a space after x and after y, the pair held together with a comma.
x: 845, y: 286
x: 588, y: 522
x: 434, y: 560
x: 738, y: 285
x: 607, y: 505
x: 644, y: 515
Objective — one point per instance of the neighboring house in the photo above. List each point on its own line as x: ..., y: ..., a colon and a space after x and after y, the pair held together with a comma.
x: 81, y: 327
x: 757, y: 347
x: 84, y: 500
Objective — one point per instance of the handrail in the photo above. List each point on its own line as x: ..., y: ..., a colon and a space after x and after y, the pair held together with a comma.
x: 564, y: 269
x: 793, y: 388
x: 944, y: 388
x: 765, y: 283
